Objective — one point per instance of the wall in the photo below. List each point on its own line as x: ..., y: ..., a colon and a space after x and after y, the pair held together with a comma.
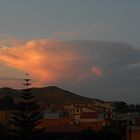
x: 133, y: 133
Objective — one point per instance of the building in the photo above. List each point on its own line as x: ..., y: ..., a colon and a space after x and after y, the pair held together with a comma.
x: 133, y: 132
x: 127, y: 118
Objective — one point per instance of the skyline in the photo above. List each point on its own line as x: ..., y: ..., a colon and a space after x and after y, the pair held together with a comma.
x: 88, y: 47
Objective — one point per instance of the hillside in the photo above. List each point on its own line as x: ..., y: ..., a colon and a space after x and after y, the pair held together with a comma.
x: 51, y: 94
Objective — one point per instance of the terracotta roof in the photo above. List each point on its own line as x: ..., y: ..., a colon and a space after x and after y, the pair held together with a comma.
x: 59, y: 126
x: 93, y: 115
x: 67, y: 128
x: 65, y: 125
x: 55, y: 122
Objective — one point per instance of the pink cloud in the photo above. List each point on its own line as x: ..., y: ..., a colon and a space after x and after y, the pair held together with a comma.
x: 97, y: 71
x: 47, y: 60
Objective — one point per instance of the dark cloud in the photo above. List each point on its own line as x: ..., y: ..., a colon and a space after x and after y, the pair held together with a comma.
x: 120, y: 64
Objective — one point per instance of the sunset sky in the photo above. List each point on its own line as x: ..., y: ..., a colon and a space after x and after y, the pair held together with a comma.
x: 90, y: 47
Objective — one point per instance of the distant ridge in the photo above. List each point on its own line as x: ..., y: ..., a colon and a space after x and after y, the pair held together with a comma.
x: 50, y: 95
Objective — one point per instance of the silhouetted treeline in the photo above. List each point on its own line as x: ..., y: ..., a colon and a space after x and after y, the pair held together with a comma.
x: 123, y: 107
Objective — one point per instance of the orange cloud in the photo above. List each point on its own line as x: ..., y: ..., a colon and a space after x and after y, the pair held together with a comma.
x: 97, y: 71
x: 46, y: 60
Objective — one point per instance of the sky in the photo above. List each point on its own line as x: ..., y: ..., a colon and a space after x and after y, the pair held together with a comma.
x: 89, y: 47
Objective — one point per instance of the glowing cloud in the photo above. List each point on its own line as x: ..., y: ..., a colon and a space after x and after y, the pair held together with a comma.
x: 97, y: 71
x: 47, y: 60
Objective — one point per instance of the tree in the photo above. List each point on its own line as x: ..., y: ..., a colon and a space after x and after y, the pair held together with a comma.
x: 7, y: 103
x: 121, y: 107
x: 27, y: 115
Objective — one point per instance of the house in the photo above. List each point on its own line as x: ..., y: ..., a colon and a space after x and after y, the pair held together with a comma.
x: 127, y: 118
x: 54, y: 111
x: 93, y: 120
x: 105, y: 107
x: 133, y: 133
x: 49, y: 114
x: 91, y: 116
x: 67, y: 125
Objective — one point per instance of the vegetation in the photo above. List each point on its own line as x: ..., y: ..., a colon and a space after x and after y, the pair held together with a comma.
x: 27, y: 115
x: 123, y: 107
x: 7, y: 103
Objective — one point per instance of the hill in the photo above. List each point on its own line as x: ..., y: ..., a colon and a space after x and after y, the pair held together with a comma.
x: 51, y: 94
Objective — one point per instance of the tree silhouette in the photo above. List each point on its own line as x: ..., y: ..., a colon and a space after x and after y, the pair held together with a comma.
x: 27, y: 115
x: 7, y: 103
